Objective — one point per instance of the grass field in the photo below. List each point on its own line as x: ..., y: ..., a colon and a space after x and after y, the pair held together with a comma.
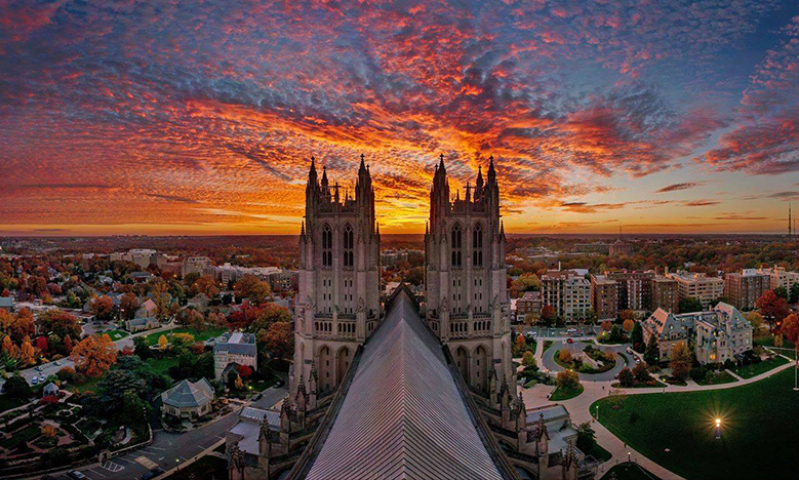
x: 152, y: 339
x: 759, y: 429
x: 756, y: 369
x: 162, y: 365
x: 628, y: 471
x: 564, y: 394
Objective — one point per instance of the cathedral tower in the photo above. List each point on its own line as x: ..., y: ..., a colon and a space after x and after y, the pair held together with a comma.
x: 467, y: 294
x: 338, y: 301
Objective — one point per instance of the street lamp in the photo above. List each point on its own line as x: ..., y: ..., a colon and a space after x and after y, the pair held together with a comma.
x: 718, y: 428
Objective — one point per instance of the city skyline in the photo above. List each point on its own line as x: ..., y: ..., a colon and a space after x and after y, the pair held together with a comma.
x: 119, y: 118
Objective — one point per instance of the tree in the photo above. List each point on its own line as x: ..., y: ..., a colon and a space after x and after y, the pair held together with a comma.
x: 279, y: 339
x: 568, y: 379
x: 606, y: 326
x: 641, y: 373
x: 244, y: 316
x: 207, y: 286
x: 689, y: 304
x: 756, y: 320
x: 790, y: 328
x: 519, y: 346
x: 270, y: 313
x: 17, y: 387
x: 192, y: 318
x: 680, y: 361
x: 626, y: 314
x: 628, y: 325
x: 181, y: 340
x: 128, y: 305
x: 637, y: 337
x: 565, y: 356
x: 135, y: 411
x: 103, y: 307
x: 772, y: 308
x: 252, y: 288
x: 781, y: 292
x: 41, y: 345
x: 794, y: 295
x: 652, y: 352
x: 528, y: 360
x: 17, y: 326
x: 586, y: 438
x: 48, y: 431
x: 162, y: 342
x: 245, y: 371
x: 141, y: 349
x: 94, y: 355
x: 626, y: 378
x: 61, y: 323
x: 68, y: 345
x: 159, y: 292
x: 525, y: 283
x: 548, y: 314
x: 27, y: 352
x: 239, y: 383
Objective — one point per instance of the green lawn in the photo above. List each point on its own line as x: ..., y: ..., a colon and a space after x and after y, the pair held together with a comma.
x: 89, y: 384
x: 628, y: 471
x: 152, y: 339
x: 756, y: 369
x: 657, y: 384
x: 566, y: 393
x: 600, y: 454
x: 162, y: 365
x: 759, y: 425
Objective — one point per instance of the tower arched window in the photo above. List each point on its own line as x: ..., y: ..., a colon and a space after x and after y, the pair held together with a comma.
x: 457, y: 246
x: 477, y: 246
x: 349, y: 246
x: 327, y: 247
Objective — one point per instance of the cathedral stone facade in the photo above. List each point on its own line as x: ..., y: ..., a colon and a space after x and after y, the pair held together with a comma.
x: 403, y: 389
x: 467, y: 295
x: 338, y: 301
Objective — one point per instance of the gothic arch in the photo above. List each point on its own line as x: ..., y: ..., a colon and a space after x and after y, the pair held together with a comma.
x: 327, y: 245
x: 326, y: 368
x: 478, y: 236
x: 348, y: 242
x: 343, y: 359
x: 462, y: 358
x: 456, y: 244
x: 482, y: 363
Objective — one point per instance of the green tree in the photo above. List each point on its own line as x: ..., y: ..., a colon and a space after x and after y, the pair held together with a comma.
x: 135, y: 411
x: 586, y: 438
x: 652, y: 352
x: 689, y: 304
x: 637, y: 336
x: 626, y: 378
x: 18, y: 388
x: 781, y: 292
x: 141, y: 349
x: 794, y: 296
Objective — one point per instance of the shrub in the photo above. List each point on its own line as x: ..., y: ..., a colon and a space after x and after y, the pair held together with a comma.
x: 565, y: 356
x: 698, y: 374
x: 626, y: 378
x: 568, y: 379
x: 528, y: 360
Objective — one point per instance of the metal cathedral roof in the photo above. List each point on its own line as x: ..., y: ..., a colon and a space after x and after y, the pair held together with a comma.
x: 403, y: 416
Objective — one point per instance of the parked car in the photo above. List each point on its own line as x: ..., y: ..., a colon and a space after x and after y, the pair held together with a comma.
x: 76, y: 475
x: 629, y: 350
x: 569, y: 341
x: 35, y: 381
x: 637, y: 360
x: 57, y: 363
x: 38, y: 368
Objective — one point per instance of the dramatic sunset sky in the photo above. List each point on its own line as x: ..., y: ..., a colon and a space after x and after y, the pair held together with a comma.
x: 199, y: 117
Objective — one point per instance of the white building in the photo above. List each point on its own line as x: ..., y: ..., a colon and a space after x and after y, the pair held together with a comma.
x: 698, y: 285
x: 568, y: 292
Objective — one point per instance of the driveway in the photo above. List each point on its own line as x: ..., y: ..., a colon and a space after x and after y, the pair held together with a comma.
x: 548, y: 360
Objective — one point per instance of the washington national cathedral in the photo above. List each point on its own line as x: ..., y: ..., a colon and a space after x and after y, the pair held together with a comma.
x: 402, y: 387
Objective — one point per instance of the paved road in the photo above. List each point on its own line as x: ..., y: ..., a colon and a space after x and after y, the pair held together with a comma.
x: 169, y: 450
x: 548, y: 360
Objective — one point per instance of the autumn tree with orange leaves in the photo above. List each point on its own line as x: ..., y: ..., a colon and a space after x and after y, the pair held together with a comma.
x: 94, y: 355
x: 790, y: 329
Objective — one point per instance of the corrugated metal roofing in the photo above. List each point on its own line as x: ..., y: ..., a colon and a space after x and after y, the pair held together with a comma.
x: 403, y: 416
